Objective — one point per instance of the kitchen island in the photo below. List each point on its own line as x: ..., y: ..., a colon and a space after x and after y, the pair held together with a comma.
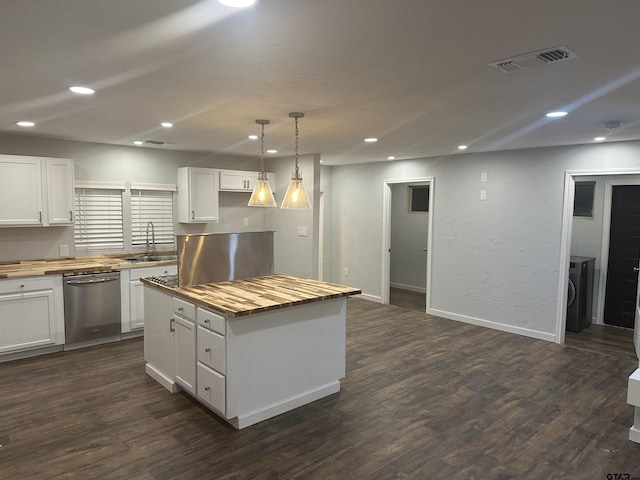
x: 248, y: 349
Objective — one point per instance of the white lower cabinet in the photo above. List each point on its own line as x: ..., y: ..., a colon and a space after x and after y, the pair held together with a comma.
x: 132, y: 294
x: 31, y: 313
x: 159, y: 348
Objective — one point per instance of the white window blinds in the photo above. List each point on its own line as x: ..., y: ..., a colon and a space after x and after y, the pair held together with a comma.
x: 98, y: 224
x: 152, y: 206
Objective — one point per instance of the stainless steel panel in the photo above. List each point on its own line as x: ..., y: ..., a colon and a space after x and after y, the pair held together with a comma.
x: 218, y: 257
x: 91, y: 306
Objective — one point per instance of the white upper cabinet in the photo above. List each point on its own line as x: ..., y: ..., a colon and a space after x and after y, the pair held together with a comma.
x: 59, y: 191
x: 237, y: 180
x: 35, y: 191
x: 197, y: 195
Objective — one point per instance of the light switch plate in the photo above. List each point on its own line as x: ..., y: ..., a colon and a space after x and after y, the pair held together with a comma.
x: 483, y: 177
x: 303, y: 231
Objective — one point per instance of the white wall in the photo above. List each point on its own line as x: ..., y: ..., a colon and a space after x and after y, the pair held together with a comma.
x: 495, y: 262
x: 408, y: 265
x: 295, y: 254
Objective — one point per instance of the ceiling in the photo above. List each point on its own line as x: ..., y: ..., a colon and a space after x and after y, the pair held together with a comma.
x: 414, y: 73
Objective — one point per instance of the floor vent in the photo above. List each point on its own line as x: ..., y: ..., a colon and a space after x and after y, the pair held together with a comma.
x: 534, y: 59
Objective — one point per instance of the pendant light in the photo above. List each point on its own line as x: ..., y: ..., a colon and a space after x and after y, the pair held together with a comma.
x: 296, y: 196
x: 262, y: 196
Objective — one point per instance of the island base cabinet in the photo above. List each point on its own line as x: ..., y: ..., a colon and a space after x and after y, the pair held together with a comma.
x: 159, y: 353
x: 211, y: 388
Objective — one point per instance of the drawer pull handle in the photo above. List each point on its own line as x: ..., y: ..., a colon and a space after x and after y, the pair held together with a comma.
x: 207, y: 389
x: 207, y: 321
x: 207, y: 349
x: 21, y: 286
x: 171, y: 323
x: 180, y: 309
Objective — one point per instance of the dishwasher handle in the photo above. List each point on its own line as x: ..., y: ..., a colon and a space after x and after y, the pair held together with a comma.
x: 95, y: 280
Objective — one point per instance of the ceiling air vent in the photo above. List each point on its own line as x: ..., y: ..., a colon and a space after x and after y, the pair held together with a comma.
x: 156, y: 142
x: 533, y: 59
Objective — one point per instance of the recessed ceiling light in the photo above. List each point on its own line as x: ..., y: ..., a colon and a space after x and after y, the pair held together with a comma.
x: 556, y: 114
x: 599, y: 139
x: 253, y: 137
x: 391, y: 157
x: 167, y: 124
x: 25, y: 124
x: 138, y: 142
x: 238, y: 3
x: 82, y: 90
x: 371, y: 140
x: 272, y: 151
x: 462, y: 147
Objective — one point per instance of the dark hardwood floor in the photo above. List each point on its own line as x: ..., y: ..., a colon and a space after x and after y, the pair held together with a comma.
x: 424, y: 398
x: 415, y: 301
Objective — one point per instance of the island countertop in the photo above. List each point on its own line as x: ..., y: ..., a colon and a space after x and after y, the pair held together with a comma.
x: 237, y: 298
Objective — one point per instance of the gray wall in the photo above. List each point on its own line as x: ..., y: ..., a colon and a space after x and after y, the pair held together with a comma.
x: 495, y: 262
x: 408, y: 265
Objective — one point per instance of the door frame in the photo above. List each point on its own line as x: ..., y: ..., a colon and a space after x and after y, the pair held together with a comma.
x: 565, y: 239
x: 386, y: 234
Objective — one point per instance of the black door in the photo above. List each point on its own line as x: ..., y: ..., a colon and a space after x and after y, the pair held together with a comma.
x: 624, y: 251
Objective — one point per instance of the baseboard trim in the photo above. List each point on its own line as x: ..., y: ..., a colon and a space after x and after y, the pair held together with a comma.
x: 549, y: 337
x: 161, y: 379
x: 411, y: 288
x: 251, y: 418
x: 372, y: 298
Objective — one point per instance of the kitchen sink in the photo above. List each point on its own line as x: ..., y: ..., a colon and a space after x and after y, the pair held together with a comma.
x: 150, y: 258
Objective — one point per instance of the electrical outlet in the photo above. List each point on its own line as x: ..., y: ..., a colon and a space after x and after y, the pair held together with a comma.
x: 64, y: 250
x: 483, y: 194
x: 245, y: 221
x: 346, y: 271
x: 303, y: 231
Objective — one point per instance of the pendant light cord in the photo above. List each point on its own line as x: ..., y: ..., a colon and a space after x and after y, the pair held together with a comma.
x: 262, y: 151
x: 297, y: 170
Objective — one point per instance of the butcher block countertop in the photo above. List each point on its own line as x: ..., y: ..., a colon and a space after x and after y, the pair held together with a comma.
x: 239, y: 298
x: 76, y: 266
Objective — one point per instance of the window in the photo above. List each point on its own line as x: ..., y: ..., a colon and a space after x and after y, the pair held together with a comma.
x: 154, y: 206
x: 583, y: 200
x: 418, y: 198
x: 98, y: 224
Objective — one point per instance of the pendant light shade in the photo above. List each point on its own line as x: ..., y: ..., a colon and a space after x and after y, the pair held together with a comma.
x: 296, y: 196
x: 262, y: 195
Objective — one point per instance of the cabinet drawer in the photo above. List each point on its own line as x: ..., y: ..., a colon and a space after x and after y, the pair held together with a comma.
x: 138, y: 273
x: 186, y: 309
x: 27, y: 284
x: 211, y: 388
x: 212, y: 350
x: 211, y: 320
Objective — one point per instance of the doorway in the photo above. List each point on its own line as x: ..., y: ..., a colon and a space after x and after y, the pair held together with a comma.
x: 603, y: 243
x: 407, y: 227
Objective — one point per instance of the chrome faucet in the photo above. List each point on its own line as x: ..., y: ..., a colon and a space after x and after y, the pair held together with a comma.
x: 151, y: 247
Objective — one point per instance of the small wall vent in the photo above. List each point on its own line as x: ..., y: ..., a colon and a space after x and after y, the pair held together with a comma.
x: 533, y: 59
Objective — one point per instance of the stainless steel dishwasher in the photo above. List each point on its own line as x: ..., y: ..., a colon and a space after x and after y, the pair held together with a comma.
x: 91, y: 309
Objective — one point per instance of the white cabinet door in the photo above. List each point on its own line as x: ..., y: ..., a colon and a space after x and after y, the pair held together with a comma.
x: 21, y: 201
x: 133, y: 311
x: 252, y: 178
x: 237, y: 180
x: 59, y: 173
x: 185, y: 348
x: 233, y: 180
x: 26, y: 320
x: 158, y: 337
x: 197, y: 195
